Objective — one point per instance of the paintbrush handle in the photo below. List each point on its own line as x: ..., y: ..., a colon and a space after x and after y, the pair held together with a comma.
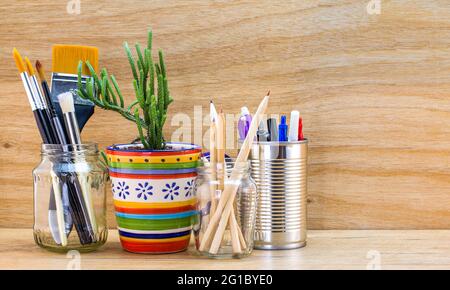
x: 48, y: 98
x: 59, y: 131
x: 44, y: 130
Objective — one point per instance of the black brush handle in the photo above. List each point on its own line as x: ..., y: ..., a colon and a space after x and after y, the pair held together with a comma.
x: 58, y: 129
x: 79, y: 209
x: 43, y: 128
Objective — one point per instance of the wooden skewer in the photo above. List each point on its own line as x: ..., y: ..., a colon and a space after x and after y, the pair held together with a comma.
x: 213, y: 165
x: 225, y: 206
x: 221, y: 150
x: 221, y: 176
x: 234, y: 229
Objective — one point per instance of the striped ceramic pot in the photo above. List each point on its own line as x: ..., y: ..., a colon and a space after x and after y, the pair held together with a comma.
x: 154, y: 196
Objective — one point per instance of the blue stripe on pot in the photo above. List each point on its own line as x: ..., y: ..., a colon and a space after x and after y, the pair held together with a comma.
x: 157, y: 216
x: 154, y: 236
x: 153, y: 171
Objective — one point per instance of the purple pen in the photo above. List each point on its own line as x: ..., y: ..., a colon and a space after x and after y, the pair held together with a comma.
x: 242, y: 128
x: 244, y: 122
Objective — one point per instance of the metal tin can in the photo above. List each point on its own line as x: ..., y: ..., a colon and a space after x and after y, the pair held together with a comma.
x: 280, y: 172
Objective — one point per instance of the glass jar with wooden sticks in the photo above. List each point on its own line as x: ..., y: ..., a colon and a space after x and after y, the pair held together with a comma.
x: 237, y: 240
x: 228, y: 206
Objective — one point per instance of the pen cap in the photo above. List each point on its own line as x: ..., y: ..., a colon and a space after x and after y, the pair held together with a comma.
x: 282, y: 130
x: 300, y: 130
x: 273, y: 129
x: 293, y: 126
x: 263, y: 133
x: 245, y: 111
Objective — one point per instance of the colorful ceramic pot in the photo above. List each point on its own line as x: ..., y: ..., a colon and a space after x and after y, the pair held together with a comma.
x: 154, y: 196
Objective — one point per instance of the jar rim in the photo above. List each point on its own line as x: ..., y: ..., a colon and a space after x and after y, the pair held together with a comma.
x: 56, y: 149
x: 243, y: 167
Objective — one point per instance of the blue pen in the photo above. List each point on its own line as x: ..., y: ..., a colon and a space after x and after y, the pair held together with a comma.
x: 283, y: 130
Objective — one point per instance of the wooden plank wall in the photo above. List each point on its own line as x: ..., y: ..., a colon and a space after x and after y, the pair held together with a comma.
x: 373, y: 91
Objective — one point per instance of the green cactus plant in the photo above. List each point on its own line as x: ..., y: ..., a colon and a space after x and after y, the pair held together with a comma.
x: 149, y: 110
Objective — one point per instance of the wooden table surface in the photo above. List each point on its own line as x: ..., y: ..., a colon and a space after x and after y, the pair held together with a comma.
x: 326, y: 250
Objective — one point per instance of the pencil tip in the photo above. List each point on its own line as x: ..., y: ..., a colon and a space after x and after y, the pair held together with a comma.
x: 268, y: 93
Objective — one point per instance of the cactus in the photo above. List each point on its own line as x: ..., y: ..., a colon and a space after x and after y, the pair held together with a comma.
x: 149, y: 110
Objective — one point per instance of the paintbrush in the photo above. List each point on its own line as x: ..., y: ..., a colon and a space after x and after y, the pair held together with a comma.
x: 51, y: 108
x: 82, y: 209
x: 43, y: 106
x: 57, y: 137
x: 34, y: 101
x: 65, y: 60
x: 57, y: 225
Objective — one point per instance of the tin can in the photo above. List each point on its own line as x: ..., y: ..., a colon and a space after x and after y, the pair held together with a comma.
x: 280, y: 172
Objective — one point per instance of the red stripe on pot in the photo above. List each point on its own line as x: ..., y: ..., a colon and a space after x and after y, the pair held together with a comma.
x: 170, y: 247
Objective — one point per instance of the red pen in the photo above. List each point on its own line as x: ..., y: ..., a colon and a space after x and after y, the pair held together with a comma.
x: 300, y: 129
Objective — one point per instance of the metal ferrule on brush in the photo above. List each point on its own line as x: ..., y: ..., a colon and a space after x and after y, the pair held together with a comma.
x: 62, y: 83
x: 38, y: 91
x: 29, y: 90
x: 72, y: 127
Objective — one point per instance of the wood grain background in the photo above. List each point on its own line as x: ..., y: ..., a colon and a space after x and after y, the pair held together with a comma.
x: 373, y: 91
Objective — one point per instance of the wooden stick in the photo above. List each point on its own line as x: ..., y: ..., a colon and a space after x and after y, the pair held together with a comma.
x: 225, y: 205
x: 235, y: 242
x: 221, y: 176
x: 222, y: 172
x: 213, y: 166
x: 221, y: 150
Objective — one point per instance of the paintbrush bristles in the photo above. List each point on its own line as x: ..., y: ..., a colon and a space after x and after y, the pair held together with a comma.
x: 66, y: 102
x: 29, y: 66
x: 40, y: 70
x: 19, y: 61
x: 65, y: 58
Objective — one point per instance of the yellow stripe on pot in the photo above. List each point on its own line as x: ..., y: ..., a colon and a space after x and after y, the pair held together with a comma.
x: 155, y: 159
x: 127, y: 204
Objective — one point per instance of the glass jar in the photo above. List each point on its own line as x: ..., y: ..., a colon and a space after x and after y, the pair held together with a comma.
x: 70, y: 198
x: 227, y: 211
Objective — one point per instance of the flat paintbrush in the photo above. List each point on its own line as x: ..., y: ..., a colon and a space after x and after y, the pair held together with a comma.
x: 65, y: 60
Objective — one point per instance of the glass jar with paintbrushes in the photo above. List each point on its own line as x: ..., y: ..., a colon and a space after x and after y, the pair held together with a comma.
x: 69, y: 183
x: 69, y: 191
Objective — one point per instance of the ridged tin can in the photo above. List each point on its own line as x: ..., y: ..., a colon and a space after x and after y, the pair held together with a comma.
x: 280, y: 172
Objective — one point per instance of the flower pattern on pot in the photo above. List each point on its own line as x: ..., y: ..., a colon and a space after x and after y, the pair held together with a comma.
x: 190, y: 188
x: 144, y: 190
x: 122, y: 189
x: 171, y: 190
